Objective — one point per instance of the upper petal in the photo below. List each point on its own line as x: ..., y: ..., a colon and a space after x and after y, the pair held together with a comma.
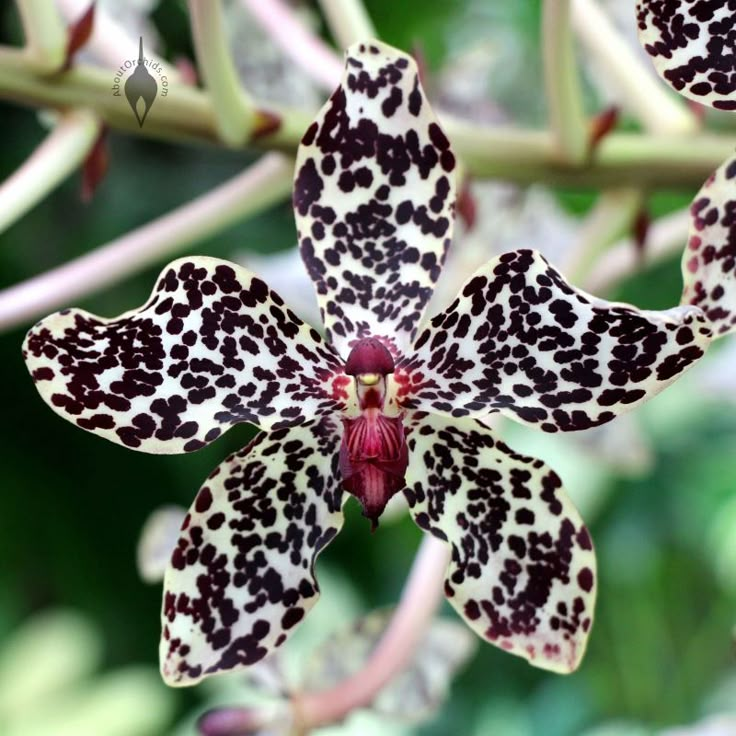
x: 212, y: 347
x: 241, y: 576
x: 691, y: 45
x: 374, y: 199
x: 520, y: 340
x: 523, y: 569
x: 709, y: 261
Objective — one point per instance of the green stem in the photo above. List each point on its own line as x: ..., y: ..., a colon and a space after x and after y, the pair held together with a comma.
x: 234, y: 111
x: 348, y: 21
x: 45, y: 32
x: 185, y: 114
x: 63, y: 150
x: 621, y: 159
x: 522, y: 156
x: 562, y: 82
x: 659, y: 110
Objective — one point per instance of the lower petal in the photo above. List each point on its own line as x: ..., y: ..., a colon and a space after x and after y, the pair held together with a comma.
x: 241, y: 576
x: 523, y: 569
x: 689, y: 43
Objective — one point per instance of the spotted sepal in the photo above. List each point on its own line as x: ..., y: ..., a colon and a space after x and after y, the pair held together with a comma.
x: 212, y: 347
x: 520, y: 340
x: 691, y: 43
x: 709, y: 261
x: 241, y: 576
x: 523, y: 570
x: 374, y: 199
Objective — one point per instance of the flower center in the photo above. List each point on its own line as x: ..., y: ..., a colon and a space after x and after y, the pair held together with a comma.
x: 373, y: 453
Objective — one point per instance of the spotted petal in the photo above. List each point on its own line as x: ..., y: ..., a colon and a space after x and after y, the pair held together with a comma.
x: 709, y: 261
x: 241, y: 576
x: 374, y: 199
x: 523, y: 569
x: 520, y: 340
x: 212, y: 347
x: 692, y: 44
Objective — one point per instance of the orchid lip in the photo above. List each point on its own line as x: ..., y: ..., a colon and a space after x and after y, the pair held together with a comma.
x: 373, y: 453
x: 373, y: 460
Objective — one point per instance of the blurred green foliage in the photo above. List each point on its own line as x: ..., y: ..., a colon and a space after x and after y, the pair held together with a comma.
x: 73, y: 505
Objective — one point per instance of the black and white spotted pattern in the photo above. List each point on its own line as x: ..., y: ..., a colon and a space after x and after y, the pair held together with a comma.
x: 374, y: 198
x: 212, y: 347
x: 693, y: 46
x: 523, y: 570
x: 520, y: 340
x: 709, y: 261
x: 241, y: 577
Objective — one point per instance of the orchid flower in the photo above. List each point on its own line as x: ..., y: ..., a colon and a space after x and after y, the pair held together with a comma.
x: 374, y: 408
x: 709, y: 262
x: 691, y: 44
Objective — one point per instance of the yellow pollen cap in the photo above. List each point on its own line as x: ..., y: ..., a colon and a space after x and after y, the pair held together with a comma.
x: 369, y: 379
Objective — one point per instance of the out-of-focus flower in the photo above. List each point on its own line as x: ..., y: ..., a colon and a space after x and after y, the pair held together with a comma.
x: 464, y: 83
x: 49, y: 687
x: 132, y: 18
x: 266, y: 72
x: 709, y: 263
x: 620, y: 728
x: 214, y: 346
x: 691, y: 45
x: 716, y: 725
x: 135, y: 17
x: 414, y: 695
x: 508, y: 218
x: 720, y: 719
x: 718, y: 374
x: 157, y: 542
x: 321, y: 655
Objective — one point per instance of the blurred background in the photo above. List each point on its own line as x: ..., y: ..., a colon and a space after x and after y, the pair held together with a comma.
x: 657, y: 491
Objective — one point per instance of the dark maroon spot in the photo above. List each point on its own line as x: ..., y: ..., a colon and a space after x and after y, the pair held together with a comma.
x: 292, y: 617
x: 204, y: 500
x: 585, y: 579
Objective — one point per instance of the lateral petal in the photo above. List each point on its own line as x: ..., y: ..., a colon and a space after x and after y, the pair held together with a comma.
x: 212, y: 347
x: 520, y: 340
